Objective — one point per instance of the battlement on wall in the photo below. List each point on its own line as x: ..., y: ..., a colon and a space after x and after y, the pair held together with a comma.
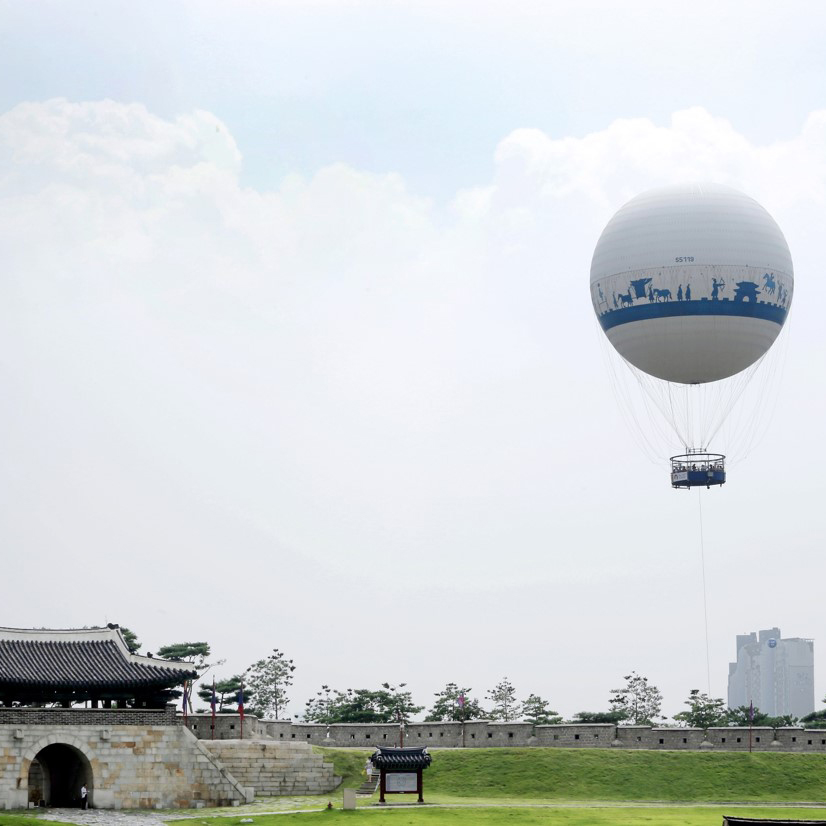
x: 485, y: 734
x: 89, y: 716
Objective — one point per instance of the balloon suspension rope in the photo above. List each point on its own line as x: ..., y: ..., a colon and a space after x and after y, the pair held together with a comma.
x: 705, y: 603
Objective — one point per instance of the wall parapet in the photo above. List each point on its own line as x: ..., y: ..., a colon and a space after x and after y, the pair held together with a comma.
x: 27, y: 716
x: 489, y: 734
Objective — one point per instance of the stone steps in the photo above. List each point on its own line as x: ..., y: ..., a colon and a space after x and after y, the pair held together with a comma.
x: 368, y: 788
x: 274, y: 768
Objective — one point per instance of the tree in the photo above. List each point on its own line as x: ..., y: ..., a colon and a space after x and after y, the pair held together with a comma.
x: 193, y: 652
x: 503, y: 697
x: 817, y: 719
x: 319, y: 709
x: 639, y: 701
x: 703, y: 711
x: 360, y: 705
x: 454, y: 704
x: 536, y: 712
x: 386, y: 705
x: 399, y: 703
x: 269, y: 680
x: 743, y: 716
x: 131, y: 640
x: 226, y: 693
x: 598, y: 717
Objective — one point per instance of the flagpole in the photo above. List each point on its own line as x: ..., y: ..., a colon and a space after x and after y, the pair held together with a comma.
x: 751, y: 721
x: 213, y: 708
x: 241, y: 709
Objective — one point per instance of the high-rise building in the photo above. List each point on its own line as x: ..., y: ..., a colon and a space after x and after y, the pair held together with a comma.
x: 776, y: 675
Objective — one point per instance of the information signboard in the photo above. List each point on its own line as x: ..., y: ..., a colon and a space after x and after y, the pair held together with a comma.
x: 401, y: 782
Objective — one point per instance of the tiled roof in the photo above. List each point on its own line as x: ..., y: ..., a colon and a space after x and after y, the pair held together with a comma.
x: 87, y: 658
x: 401, y: 759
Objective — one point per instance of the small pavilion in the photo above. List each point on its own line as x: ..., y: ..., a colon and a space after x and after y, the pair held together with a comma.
x: 401, y: 770
x: 41, y: 667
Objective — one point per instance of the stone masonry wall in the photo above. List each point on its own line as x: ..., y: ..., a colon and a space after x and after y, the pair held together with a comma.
x: 227, y: 726
x: 484, y: 734
x: 276, y: 768
x: 124, y: 766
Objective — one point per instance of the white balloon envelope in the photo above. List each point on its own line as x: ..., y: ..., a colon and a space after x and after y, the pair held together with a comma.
x: 692, y: 283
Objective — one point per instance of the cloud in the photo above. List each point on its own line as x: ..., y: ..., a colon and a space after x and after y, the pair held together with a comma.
x: 632, y: 155
x: 333, y: 372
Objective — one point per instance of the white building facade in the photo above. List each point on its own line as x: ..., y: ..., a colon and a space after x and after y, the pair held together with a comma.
x: 775, y: 674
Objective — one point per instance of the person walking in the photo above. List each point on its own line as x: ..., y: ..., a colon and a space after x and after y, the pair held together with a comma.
x: 84, y: 797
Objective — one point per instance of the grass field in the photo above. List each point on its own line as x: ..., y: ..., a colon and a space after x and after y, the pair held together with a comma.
x: 496, y: 816
x: 606, y: 775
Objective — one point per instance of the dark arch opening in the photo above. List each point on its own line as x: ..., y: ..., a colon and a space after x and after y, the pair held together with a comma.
x: 56, y: 774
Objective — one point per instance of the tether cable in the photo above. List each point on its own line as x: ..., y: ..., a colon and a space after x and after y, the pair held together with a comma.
x: 705, y: 602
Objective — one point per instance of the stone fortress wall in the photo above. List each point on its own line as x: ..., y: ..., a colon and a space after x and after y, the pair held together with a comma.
x: 143, y: 758
x: 147, y: 758
x: 127, y: 759
x: 484, y: 734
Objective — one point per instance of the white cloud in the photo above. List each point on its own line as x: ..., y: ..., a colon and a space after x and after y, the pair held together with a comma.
x: 333, y: 375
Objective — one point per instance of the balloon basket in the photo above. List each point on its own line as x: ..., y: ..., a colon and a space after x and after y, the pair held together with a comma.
x: 697, y: 469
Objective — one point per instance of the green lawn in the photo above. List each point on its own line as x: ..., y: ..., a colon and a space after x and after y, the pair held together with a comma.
x: 592, y: 774
x: 349, y: 764
x: 580, y: 816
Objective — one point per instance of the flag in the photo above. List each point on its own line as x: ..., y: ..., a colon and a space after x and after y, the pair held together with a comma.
x: 751, y: 711
x: 241, y: 702
x: 461, y: 701
x: 186, y: 684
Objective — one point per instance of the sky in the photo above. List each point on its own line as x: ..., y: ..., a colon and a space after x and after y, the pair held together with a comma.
x: 297, y: 351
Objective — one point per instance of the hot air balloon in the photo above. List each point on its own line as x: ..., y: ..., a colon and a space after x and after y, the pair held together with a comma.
x: 692, y: 284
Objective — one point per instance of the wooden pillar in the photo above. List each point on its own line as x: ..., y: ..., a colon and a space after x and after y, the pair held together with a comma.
x: 382, y: 785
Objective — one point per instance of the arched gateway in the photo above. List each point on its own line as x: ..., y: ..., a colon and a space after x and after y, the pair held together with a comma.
x: 56, y: 773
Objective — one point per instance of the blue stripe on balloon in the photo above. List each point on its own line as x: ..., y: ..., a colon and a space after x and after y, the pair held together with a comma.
x: 673, y: 309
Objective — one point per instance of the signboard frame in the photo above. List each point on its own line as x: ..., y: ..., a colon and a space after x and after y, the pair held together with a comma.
x: 383, y: 790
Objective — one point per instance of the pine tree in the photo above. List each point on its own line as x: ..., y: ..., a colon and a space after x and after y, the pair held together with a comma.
x: 503, y: 698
